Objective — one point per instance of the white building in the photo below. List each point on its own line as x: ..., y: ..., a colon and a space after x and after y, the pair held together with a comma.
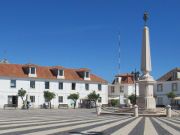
x: 122, y: 87
x: 36, y: 79
x: 165, y: 84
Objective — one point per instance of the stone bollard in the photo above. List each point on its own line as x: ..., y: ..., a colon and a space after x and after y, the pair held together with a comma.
x: 136, y: 111
x: 168, y: 111
x: 99, y: 110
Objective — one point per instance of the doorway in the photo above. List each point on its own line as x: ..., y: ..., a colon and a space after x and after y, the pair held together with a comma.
x: 13, y: 100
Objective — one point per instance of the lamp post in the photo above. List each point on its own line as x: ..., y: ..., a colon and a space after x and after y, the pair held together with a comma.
x: 135, y: 78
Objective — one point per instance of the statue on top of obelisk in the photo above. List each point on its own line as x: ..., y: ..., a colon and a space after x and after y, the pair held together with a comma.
x: 145, y: 17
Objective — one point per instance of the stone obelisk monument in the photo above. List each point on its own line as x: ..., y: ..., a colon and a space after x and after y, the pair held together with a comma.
x: 146, y: 98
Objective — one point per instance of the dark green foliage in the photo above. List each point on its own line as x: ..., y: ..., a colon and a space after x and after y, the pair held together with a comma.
x: 93, y: 97
x: 74, y: 97
x: 132, y: 98
x: 22, y: 93
x: 114, y: 102
x: 171, y: 95
x: 49, y: 96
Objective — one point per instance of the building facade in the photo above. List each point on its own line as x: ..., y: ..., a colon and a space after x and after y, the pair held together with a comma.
x: 36, y: 79
x: 122, y: 86
x: 165, y: 84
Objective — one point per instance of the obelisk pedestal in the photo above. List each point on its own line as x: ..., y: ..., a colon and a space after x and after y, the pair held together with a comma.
x: 146, y: 98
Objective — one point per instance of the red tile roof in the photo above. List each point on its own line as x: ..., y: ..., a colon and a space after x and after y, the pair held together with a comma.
x: 125, y: 78
x: 169, y: 76
x: 44, y: 72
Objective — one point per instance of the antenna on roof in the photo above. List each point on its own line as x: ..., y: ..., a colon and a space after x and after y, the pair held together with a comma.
x: 119, y: 52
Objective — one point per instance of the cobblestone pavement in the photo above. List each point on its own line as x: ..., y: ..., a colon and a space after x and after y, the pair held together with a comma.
x: 82, y: 122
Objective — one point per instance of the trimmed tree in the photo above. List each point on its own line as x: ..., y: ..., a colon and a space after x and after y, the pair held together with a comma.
x: 22, y: 93
x: 132, y: 98
x: 49, y: 96
x: 74, y: 97
x: 114, y: 102
x: 93, y: 97
x: 171, y: 95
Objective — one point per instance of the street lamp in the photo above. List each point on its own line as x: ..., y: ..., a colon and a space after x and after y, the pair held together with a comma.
x: 135, y: 78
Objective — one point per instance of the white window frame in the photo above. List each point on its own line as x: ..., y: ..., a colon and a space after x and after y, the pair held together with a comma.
x: 60, y: 72
x: 34, y: 86
x: 99, y: 87
x: 60, y: 99
x: 87, y: 86
x: 45, y: 85
x: 13, y: 84
x: 62, y: 85
x: 159, y: 87
x: 174, y: 86
x: 32, y: 99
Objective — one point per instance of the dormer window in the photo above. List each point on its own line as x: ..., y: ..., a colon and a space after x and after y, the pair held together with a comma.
x: 86, y: 75
x: 61, y: 72
x: 118, y: 79
x: 32, y: 72
x: 178, y: 75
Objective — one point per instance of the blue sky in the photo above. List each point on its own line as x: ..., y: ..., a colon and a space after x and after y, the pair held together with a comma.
x: 84, y: 33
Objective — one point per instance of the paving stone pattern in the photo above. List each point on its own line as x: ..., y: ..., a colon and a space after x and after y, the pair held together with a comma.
x: 82, y: 122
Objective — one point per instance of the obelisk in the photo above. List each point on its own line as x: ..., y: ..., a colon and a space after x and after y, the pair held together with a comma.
x: 146, y: 98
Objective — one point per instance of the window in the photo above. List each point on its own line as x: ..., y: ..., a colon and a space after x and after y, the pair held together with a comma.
x: 46, y: 100
x: 160, y: 100
x: 100, y: 100
x: 60, y: 85
x: 32, y: 84
x: 174, y: 75
x: 99, y: 87
x: 87, y: 74
x: 73, y: 87
x: 121, y: 89
x: 61, y: 72
x: 178, y: 75
x: 174, y: 86
x: 87, y: 86
x: 60, y: 99
x: 32, y: 99
x: 112, y: 89
x: 13, y: 84
x: 10, y: 100
x: 33, y: 70
x: 117, y: 80
x: 159, y: 87
x: 46, y: 85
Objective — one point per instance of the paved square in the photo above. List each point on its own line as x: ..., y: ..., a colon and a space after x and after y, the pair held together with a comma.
x: 82, y: 121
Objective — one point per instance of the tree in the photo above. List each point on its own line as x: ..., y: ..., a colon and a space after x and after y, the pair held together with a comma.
x: 132, y: 98
x: 93, y: 97
x: 49, y: 96
x: 74, y: 97
x: 171, y: 95
x: 22, y: 93
x: 114, y: 102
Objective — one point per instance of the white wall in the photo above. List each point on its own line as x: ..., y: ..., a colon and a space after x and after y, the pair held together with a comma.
x: 129, y: 89
x: 6, y: 90
x: 167, y: 87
